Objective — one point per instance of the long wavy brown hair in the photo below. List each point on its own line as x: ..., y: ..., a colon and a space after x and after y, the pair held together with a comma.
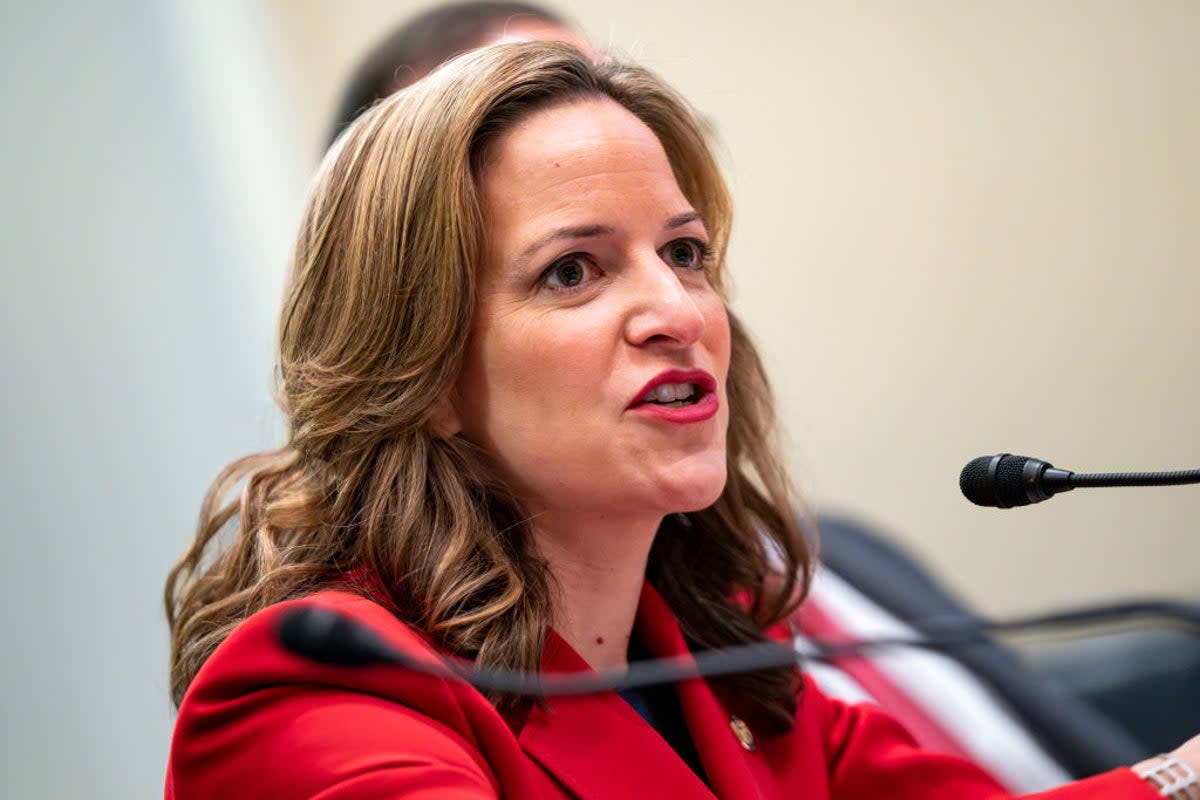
x: 372, y: 334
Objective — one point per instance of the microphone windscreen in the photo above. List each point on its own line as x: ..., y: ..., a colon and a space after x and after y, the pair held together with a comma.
x: 1010, y: 483
x: 975, y: 482
x: 1003, y: 488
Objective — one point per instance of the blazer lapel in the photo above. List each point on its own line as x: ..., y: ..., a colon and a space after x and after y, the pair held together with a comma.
x: 736, y: 767
x: 597, y: 746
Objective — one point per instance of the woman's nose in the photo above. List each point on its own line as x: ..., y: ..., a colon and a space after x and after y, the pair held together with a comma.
x: 663, y: 309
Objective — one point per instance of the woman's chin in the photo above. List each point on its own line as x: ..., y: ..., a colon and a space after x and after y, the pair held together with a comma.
x: 698, y: 490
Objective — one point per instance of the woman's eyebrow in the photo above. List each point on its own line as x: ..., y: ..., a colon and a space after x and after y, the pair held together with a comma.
x: 590, y: 231
x: 570, y: 232
x: 679, y: 220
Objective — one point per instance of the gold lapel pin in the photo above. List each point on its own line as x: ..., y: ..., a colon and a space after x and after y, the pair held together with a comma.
x: 742, y: 731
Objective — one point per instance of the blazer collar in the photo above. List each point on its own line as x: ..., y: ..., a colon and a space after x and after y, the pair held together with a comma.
x: 597, y: 746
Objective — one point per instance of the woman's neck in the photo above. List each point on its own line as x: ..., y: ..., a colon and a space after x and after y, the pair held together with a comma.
x: 599, y: 569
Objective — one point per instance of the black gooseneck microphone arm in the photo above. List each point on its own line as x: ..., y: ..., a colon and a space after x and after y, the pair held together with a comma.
x: 329, y: 637
x: 1006, y: 481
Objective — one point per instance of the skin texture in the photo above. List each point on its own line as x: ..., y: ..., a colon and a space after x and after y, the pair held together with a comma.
x: 593, y: 284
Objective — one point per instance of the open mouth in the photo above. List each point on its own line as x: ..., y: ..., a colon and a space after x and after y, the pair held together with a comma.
x: 678, y: 395
x: 673, y: 395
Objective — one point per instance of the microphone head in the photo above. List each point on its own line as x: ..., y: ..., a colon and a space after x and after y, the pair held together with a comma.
x: 328, y: 637
x: 995, y: 481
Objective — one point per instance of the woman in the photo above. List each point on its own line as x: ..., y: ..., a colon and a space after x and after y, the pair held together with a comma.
x: 524, y: 429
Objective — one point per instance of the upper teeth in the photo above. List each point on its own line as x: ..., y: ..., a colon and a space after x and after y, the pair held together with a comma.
x: 669, y: 392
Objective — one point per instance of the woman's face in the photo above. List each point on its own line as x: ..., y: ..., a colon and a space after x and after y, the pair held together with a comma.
x: 595, y: 372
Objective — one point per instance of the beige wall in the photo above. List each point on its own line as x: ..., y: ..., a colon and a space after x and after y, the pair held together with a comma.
x: 962, y: 228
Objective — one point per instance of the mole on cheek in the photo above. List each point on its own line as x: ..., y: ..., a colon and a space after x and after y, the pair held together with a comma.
x: 599, y: 640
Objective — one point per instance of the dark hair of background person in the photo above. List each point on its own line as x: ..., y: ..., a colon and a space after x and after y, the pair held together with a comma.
x: 423, y: 43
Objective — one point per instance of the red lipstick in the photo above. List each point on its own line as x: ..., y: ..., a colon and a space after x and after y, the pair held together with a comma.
x: 703, y: 405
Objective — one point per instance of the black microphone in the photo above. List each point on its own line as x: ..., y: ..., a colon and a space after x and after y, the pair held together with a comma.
x: 1005, y: 481
x: 326, y: 636
x: 329, y: 637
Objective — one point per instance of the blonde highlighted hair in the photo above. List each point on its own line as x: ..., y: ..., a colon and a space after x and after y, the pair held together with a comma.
x: 372, y: 334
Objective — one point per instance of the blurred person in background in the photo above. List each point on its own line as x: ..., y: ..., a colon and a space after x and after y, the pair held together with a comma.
x: 524, y: 429
x: 417, y: 46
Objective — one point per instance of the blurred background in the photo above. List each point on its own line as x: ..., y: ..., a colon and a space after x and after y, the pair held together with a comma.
x: 962, y: 228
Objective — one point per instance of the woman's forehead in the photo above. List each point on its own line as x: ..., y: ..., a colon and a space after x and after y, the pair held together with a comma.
x: 585, y: 164
x: 574, y: 147
x: 574, y: 124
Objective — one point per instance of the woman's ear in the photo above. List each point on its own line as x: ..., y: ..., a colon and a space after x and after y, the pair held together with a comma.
x: 443, y: 418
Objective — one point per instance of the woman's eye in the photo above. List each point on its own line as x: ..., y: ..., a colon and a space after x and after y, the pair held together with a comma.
x: 566, y: 273
x: 686, y: 253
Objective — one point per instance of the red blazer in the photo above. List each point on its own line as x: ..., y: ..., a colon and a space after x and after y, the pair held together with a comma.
x: 258, y: 722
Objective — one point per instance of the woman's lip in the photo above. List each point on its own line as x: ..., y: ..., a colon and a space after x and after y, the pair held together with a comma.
x: 704, y: 408
x: 706, y: 382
